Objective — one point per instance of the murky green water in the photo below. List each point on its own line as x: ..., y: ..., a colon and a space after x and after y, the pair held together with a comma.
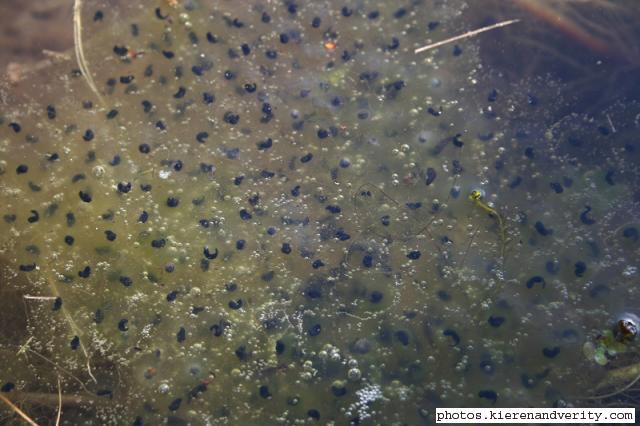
x: 266, y: 219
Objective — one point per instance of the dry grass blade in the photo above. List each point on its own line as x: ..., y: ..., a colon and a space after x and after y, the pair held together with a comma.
x: 466, y: 35
x: 77, y: 38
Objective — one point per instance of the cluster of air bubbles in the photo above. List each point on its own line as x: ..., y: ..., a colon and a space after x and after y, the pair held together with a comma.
x: 366, y: 396
x: 330, y: 352
x: 308, y: 371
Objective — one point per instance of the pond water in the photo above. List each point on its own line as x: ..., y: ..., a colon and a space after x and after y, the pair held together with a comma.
x: 279, y: 213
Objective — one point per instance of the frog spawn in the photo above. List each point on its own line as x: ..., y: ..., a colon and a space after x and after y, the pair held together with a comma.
x: 382, y: 269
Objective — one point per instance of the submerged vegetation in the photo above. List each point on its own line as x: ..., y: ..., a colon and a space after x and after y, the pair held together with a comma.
x: 282, y: 214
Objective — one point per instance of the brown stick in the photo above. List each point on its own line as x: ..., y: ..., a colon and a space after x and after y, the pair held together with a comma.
x: 18, y: 411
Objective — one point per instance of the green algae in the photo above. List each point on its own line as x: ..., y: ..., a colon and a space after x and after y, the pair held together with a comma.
x: 374, y: 334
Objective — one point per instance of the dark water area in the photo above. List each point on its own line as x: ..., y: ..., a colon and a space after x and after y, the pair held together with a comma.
x: 590, y: 48
x: 281, y: 213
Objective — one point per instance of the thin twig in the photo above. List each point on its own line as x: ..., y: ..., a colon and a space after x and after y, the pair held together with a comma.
x: 353, y: 316
x: 88, y: 364
x: 77, y: 38
x: 58, y: 56
x: 18, y: 411
x: 473, y: 236
x: 613, y: 128
x: 466, y: 35
x: 59, y: 403
x: 29, y: 297
x: 24, y: 349
x: 76, y: 330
